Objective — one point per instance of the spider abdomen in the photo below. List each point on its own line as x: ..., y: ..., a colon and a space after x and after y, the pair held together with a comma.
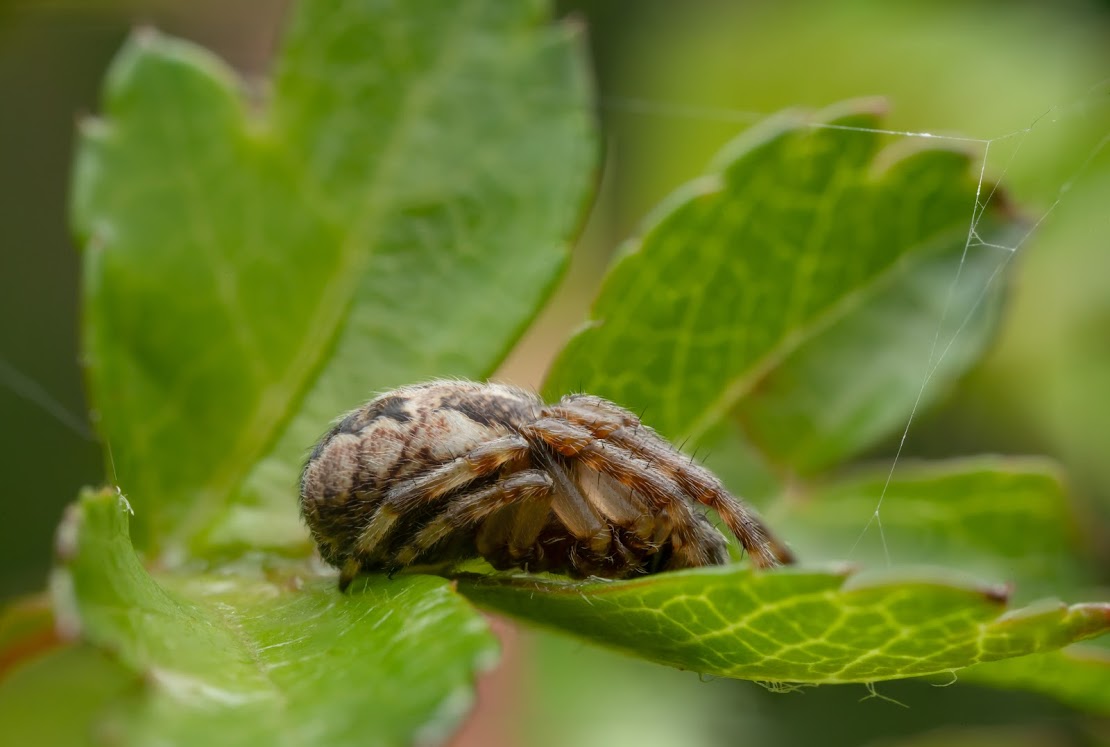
x: 440, y: 472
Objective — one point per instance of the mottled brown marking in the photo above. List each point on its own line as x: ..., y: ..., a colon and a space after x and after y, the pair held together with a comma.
x: 440, y: 472
x: 485, y: 409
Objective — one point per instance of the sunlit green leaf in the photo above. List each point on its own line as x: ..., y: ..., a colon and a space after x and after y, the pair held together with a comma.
x: 394, y: 207
x: 795, y: 625
x: 270, y: 655
x: 806, y: 286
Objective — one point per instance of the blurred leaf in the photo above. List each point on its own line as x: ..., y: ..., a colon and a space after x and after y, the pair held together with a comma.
x: 26, y: 628
x: 277, y: 656
x: 1058, y: 336
x: 63, y: 697
x: 798, y: 287
x: 1078, y: 675
x: 984, y: 736
x: 858, y: 379
x: 794, y: 625
x: 396, y: 209
x: 1002, y: 518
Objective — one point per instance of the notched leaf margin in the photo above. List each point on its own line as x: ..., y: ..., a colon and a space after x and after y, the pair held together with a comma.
x: 1006, y: 632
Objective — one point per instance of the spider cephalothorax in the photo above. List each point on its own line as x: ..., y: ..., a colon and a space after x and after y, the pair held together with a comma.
x: 450, y: 470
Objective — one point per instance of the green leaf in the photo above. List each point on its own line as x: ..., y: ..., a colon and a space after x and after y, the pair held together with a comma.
x: 64, y: 697
x: 857, y: 380
x: 1006, y: 734
x: 273, y: 655
x: 1001, y: 518
x: 799, y: 287
x: 395, y: 209
x: 1078, y: 675
x: 795, y: 625
x: 38, y: 671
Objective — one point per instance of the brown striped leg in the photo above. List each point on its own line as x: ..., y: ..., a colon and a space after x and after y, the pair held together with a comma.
x: 603, y: 419
x: 469, y: 508
x: 694, y: 542
x: 435, y: 483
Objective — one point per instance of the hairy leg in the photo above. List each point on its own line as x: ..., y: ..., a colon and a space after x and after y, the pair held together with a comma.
x: 482, y: 461
x: 617, y: 503
x: 694, y: 542
x: 605, y: 420
x: 473, y: 507
x: 581, y: 519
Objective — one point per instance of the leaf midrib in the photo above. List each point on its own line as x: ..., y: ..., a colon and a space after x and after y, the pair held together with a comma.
x: 739, y: 386
x: 269, y: 419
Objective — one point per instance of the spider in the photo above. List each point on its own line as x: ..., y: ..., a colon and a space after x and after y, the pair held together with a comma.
x: 450, y: 470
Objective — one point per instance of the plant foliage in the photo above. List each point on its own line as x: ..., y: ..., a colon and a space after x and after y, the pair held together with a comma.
x: 396, y: 207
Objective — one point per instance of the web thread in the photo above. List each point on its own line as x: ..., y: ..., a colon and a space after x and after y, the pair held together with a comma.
x: 26, y: 388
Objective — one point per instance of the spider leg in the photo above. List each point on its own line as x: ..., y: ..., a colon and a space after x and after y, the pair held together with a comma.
x: 693, y: 541
x: 347, y: 574
x: 475, y: 506
x: 515, y: 529
x: 581, y: 519
x: 437, y: 482
x: 605, y: 420
x: 600, y: 416
x: 619, y: 504
x: 766, y: 550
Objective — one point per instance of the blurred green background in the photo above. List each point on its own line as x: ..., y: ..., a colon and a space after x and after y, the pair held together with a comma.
x: 675, y: 81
